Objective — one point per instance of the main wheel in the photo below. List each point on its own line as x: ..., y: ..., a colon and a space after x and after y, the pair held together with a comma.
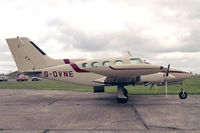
x: 125, y: 93
x: 183, y: 95
x: 122, y: 100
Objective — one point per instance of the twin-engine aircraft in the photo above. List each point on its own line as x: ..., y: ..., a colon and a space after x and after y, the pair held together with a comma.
x: 119, y: 71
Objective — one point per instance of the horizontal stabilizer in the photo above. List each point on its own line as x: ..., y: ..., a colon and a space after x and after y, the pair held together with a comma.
x: 32, y: 72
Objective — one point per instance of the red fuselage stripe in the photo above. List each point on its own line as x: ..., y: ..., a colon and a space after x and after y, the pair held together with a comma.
x: 77, y: 69
x: 66, y: 61
x: 176, y: 72
x: 74, y: 66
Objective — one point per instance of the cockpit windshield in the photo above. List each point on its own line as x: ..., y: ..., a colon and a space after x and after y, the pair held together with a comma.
x: 145, y: 62
x: 135, y: 61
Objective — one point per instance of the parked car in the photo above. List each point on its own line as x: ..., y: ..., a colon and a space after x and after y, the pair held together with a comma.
x: 36, y: 79
x: 22, y: 78
x: 3, y: 78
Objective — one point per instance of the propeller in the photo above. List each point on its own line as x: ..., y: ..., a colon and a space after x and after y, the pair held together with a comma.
x: 167, y: 72
x: 166, y: 75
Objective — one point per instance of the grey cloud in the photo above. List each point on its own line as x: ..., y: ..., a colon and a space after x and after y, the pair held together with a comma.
x: 126, y: 39
x: 190, y: 43
x: 3, y: 46
x: 130, y: 39
x: 186, y: 63
x: 185, y: 17
x: 5, y: 57
x: 5, y: 54
x: 56, y: 22
x: 77, y: 38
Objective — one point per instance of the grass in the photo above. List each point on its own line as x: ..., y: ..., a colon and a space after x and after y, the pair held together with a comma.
x: 192, y: 85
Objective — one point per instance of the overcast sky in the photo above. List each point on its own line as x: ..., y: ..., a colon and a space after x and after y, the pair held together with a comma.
x: 160, y: 31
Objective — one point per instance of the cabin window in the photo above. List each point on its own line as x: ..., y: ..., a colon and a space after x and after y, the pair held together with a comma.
x: 84, y: 64
x: 118, y: 62
x: 95, y: 64
x: 106, y: 63
x: 135, y: 61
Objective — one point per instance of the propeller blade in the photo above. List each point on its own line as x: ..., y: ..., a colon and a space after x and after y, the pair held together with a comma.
x: 167, y: 72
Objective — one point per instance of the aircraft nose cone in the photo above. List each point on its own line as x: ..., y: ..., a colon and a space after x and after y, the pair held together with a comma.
x: 191, y: 74
x: 188, y: 74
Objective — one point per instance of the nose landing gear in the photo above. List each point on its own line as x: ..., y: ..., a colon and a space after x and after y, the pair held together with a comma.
x: 182, y: 94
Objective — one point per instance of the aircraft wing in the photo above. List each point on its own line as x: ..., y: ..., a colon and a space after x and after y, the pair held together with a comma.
x: 126, y: 70
x: 115, y: 81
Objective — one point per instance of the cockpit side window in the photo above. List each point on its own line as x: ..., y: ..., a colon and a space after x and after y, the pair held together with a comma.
x: 84, y: 64
x: 135, y: 61
x: 118, y: 62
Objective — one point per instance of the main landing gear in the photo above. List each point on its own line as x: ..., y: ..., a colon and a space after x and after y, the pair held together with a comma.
x: 182, y: 94
x: 122, y: 94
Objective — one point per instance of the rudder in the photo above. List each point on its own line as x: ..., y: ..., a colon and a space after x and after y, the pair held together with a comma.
x: 29, y: 56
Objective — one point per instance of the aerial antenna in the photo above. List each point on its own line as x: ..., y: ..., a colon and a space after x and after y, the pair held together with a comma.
x: 129, y: 53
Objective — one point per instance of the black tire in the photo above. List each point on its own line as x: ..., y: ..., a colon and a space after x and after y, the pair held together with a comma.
x: 125, y: 93
x: 183, y: 95
x: 122, y: 100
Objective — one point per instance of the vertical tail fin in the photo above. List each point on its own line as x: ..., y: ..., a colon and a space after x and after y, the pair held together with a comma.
x: 29, y: 56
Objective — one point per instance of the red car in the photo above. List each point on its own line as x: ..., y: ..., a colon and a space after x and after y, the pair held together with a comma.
x: 22, y: 78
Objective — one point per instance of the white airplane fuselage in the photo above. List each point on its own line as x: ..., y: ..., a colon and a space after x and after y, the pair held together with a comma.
x: 75, y: 73
x: 120, y: 71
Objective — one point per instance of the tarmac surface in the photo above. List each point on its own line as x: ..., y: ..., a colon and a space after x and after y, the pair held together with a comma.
x: 48, y: 111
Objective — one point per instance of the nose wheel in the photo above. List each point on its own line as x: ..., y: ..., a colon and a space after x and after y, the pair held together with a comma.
x: 182, y: 94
